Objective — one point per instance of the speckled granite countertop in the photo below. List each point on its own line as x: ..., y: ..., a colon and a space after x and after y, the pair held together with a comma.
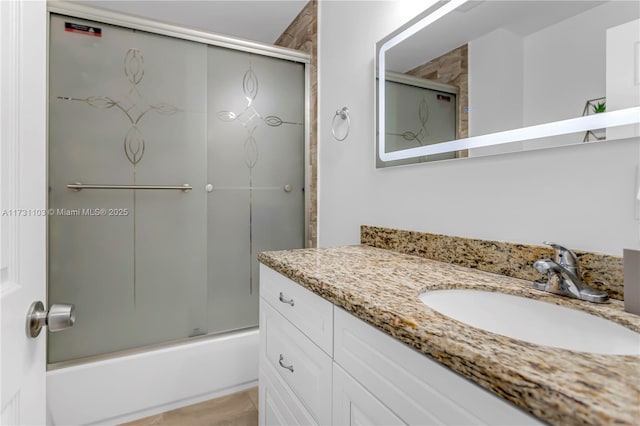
x: 559, y: 386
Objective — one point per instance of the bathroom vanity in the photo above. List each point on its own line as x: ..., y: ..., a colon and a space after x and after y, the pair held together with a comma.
x: 346, y: 340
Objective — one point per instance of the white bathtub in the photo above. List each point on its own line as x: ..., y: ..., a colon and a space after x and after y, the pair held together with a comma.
x: 130, y: 387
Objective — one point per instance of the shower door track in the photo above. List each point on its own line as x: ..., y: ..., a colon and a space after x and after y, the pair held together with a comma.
x: 156, y: 27
x: 147, y: 348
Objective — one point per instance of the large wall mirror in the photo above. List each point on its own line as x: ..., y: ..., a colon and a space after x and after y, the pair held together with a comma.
x: 473, y: 78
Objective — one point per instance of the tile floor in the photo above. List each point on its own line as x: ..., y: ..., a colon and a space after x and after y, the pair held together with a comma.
x: 238, y: 409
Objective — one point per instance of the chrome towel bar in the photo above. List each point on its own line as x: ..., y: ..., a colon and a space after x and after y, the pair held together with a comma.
x: 80, y: 186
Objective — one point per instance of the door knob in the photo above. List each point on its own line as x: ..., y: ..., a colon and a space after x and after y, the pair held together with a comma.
x: 59, y: 317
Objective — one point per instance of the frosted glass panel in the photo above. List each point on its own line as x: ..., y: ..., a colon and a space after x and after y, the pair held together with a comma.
x: 126, y: 108
x: 146, y: 266
x: 256, y: 149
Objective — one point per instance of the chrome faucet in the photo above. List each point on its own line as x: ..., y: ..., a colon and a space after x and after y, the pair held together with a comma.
x: 563, y: 277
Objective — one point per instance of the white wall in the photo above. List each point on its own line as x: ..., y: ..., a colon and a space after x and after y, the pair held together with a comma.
x: 495, y: 82
x: 496, y: 88
x: 582, y: 196
x: 565, y: 66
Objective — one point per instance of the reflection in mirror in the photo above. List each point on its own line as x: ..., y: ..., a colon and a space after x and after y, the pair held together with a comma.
x: 419, y: 112
x: 514, y: 66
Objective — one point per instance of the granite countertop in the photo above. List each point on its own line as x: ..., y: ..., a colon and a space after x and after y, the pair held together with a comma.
x: 559, y: 386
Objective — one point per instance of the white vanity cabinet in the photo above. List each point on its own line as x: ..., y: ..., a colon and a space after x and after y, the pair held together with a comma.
x: 321, y: 365
x: 418, y: 390
x: 296, y: 347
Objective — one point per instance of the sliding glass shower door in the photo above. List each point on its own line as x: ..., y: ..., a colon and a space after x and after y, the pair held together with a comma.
x: 256, y: 168
x: 171, y: 165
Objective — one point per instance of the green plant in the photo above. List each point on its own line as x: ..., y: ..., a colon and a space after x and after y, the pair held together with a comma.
x: 599, y: 107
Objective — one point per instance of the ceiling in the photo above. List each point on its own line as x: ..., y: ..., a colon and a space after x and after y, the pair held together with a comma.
x: 256, y: 20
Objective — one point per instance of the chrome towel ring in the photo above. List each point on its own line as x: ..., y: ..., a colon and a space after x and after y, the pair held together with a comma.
x: 344, y: 115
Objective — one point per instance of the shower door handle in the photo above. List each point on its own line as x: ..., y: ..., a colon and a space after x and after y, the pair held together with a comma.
x: 59, y: 317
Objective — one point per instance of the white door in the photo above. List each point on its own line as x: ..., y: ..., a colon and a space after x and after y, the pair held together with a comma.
x: 23, y: 27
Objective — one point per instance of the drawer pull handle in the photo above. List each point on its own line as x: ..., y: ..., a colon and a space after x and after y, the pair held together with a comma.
x: 283, y: 300
x: 288, y: 367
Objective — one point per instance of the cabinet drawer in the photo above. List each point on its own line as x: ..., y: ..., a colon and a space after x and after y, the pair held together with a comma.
x: 419, y: 390
x: 309, y: 312
x: 302, y: 365
x: 278, y: 404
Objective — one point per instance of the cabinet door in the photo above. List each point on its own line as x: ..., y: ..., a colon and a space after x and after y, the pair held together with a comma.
x: 353, y: 405
x: 294, y: 359
x: 278, y: 405
x: 420, y: 390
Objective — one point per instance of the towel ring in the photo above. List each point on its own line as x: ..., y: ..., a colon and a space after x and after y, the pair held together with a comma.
x: 344, y: 115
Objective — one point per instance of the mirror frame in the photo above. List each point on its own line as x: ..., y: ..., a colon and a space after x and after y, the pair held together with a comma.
x: 438, y: 10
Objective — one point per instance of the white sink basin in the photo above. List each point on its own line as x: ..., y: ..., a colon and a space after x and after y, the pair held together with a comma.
x: 534, y: 321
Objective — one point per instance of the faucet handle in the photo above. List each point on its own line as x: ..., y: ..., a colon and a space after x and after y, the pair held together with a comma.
x: 563, y: 256
x: 544, y: 265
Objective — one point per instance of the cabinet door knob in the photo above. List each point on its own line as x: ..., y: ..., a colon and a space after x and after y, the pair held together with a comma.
x: 283, y: 365
x: 283, y: 300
